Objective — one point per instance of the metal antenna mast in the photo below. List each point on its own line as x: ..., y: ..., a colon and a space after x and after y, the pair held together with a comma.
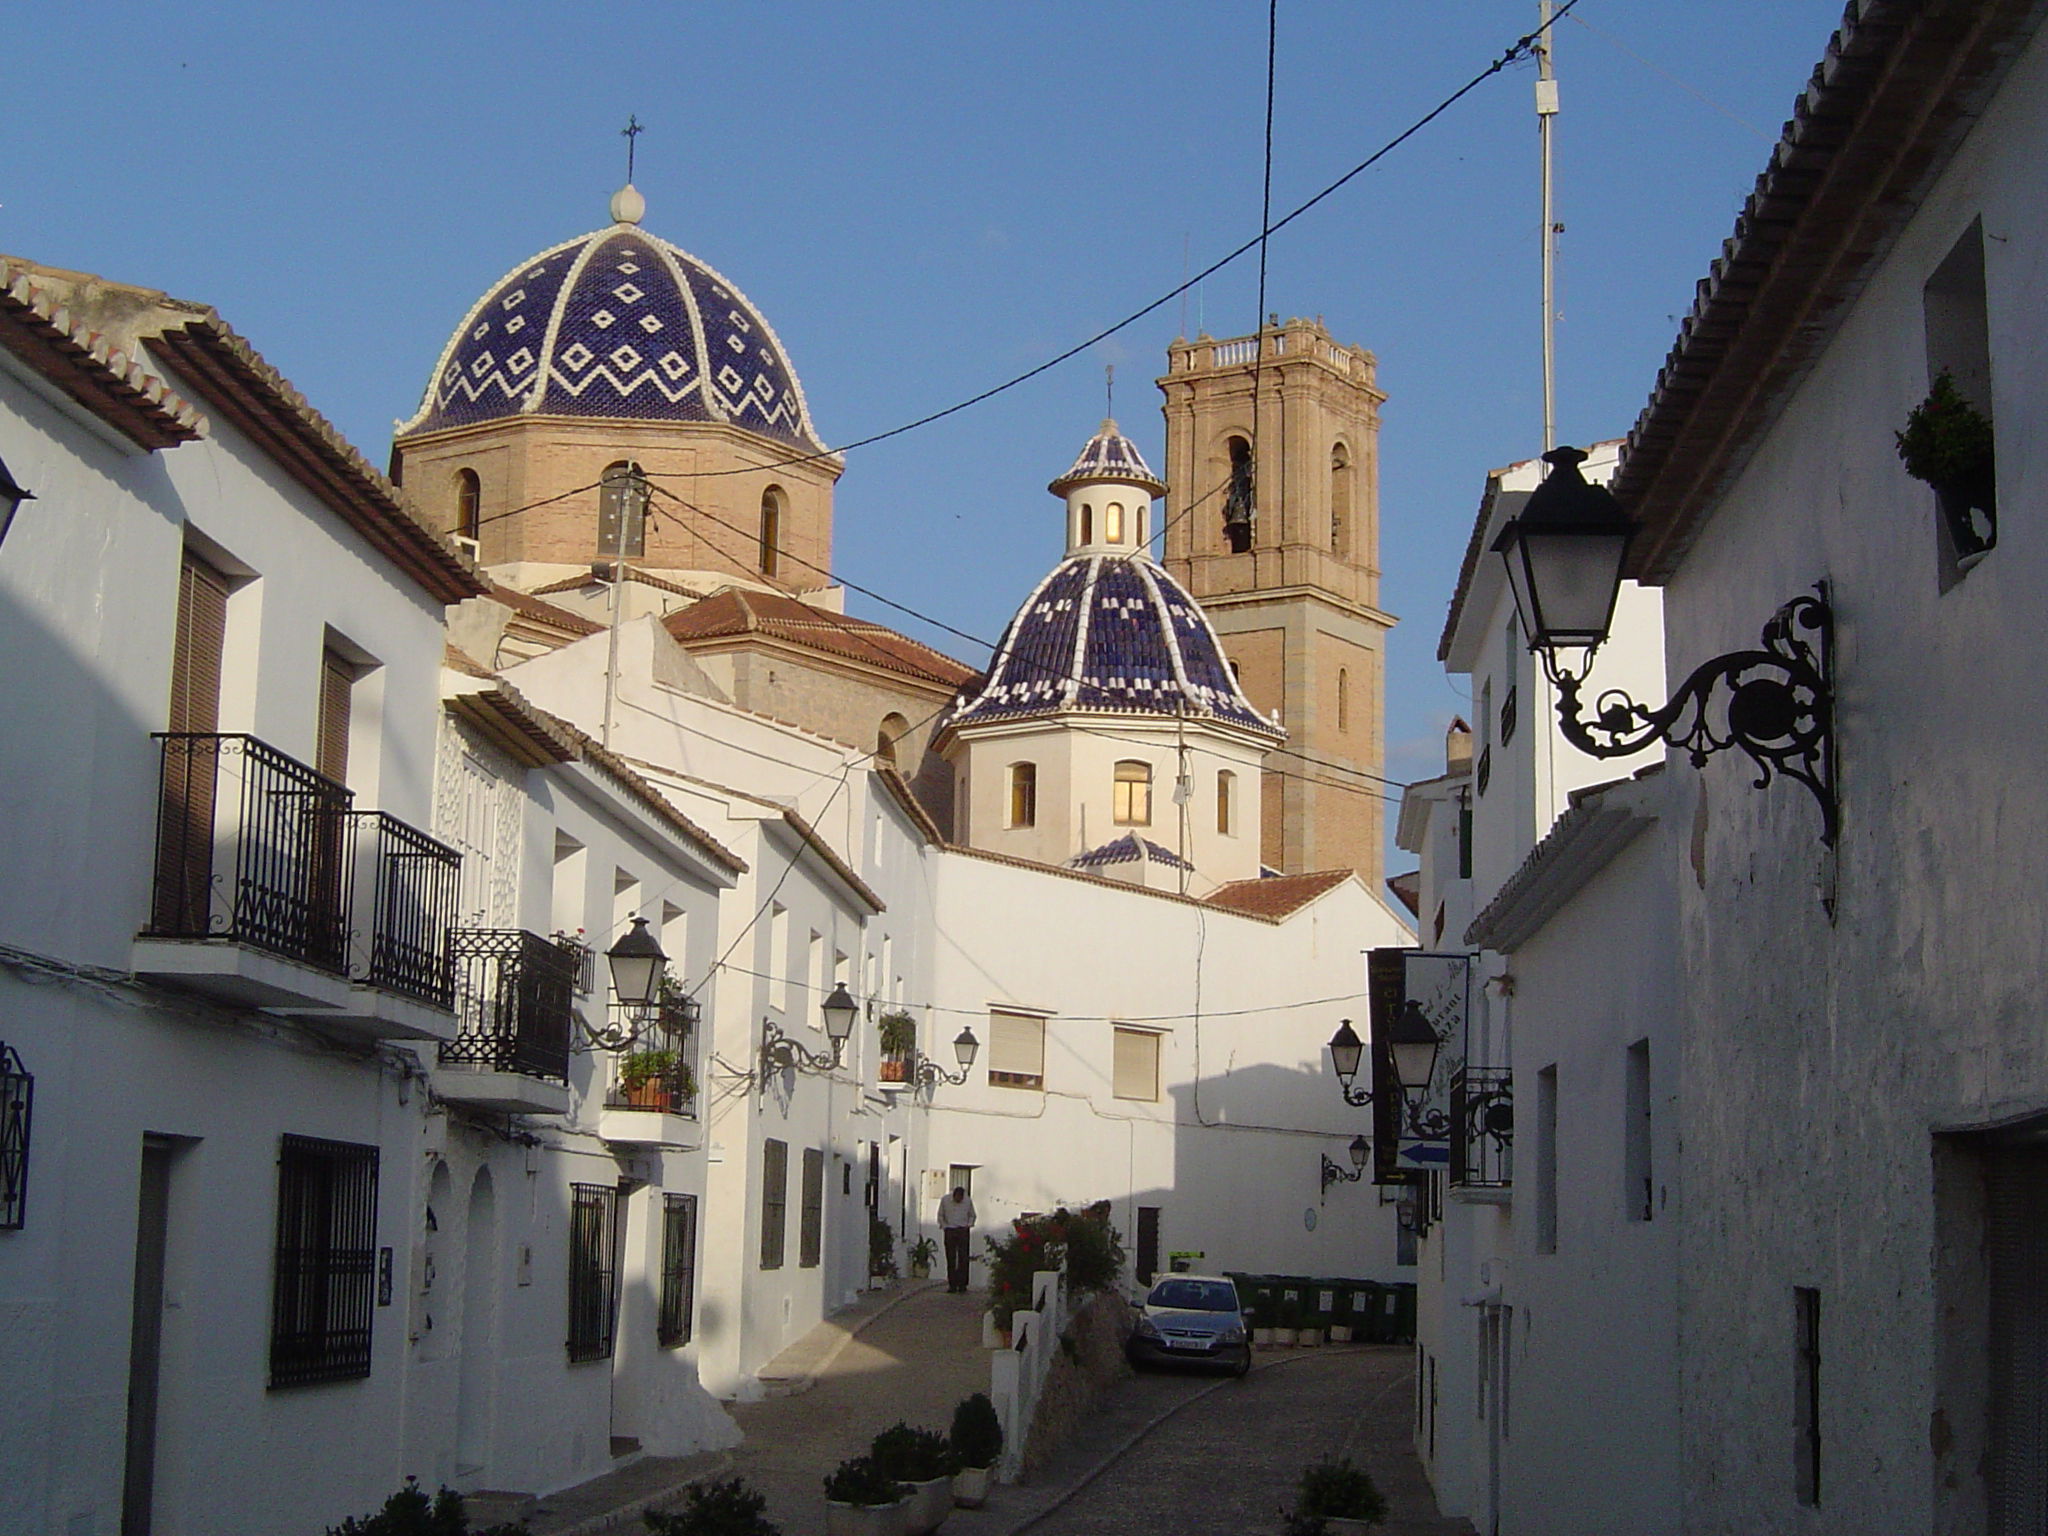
x: 1546, y: 109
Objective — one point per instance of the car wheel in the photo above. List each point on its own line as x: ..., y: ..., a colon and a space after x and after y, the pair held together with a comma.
x: 1243, y: 1367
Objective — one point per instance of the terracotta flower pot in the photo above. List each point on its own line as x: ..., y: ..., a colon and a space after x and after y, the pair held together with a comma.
x: 930, y: 1502
x: 970, y: 1486
x: 866, y: 1519
x: 891, y: 1071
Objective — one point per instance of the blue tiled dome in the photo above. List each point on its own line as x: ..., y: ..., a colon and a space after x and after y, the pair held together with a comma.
x: 1109, y: 455
x: 617, y: 324
x: 1109, y: 633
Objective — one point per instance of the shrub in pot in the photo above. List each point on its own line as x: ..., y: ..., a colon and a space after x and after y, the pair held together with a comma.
x: 863, y: 1500
x: 922, y: 1253
x: 881, y: 1249
x: 1947, y: 442
x: 722, y: 1507
x: 409, y: 1512
x: 1335, y: 1498
x: 897, y: 1032
x: 923, y: 1461
x: 977, y: 1441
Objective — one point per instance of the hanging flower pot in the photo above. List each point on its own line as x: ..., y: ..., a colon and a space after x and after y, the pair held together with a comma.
x: 1948, y: 443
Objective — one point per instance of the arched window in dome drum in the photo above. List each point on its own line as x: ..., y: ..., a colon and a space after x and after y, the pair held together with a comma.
x: 622, y: 511
x: 1239, y: 513
x: 1023, y: 794
x: 469, y: 503
x: 1087, y: 524
x: 1226, y: 802
x: 1132, y: 806
x: 1113, y: 522
x: 1144, y: 524
x: 770, y: 560
x: 1340, y: 500
x: 893, y: 729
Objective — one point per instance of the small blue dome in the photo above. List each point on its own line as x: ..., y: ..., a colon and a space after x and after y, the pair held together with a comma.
x: 623, y: 325
x: 1109, y: 633
x: 1109, y: 455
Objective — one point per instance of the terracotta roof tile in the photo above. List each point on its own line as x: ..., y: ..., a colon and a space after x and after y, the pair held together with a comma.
x: 545, y: 613
x: 739, y: 611
x: 1277, y: 896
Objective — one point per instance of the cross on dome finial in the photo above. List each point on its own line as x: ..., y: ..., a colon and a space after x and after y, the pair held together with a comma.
x: 631, y: 133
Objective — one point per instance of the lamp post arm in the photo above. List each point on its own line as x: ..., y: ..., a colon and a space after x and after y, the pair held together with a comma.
x: 927, y: 1074
x: 1775, y: 703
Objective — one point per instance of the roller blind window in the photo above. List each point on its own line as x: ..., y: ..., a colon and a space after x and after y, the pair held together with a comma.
x: 1016, y: 1052
x: 1135, y: 1068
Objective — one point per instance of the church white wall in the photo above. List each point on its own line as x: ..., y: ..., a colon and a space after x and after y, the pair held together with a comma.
x: 1821, y: 1058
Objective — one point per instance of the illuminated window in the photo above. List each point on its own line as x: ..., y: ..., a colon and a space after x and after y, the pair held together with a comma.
x: 1226, y: 802
x: 469, y: 503
x: 770, y: 560
x: 1023, y: 794
x: 1133, y: 803
x: 1113, y: 522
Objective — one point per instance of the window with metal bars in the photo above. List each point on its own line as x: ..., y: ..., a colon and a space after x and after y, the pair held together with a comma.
x: 811, y: 1223
x: 17, y: 1098
x: 594, y: 1222
x: 678, y: 1269
x: 774, y: 1201
x: 324, y: 1286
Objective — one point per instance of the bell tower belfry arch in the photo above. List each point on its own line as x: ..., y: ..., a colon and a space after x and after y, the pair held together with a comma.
x: 1272, y: 523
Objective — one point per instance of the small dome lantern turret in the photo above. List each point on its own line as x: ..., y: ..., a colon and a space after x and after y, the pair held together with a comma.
x: 1109, y: 493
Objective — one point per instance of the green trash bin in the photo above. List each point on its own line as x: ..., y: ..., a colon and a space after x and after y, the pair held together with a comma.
x: 1255, y: 1296
x: 1397, y: 1306
x: 1327, y: 1298
x: 1367, y: 1325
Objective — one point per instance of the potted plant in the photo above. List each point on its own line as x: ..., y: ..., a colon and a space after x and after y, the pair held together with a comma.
x: 881, y: 1250
x: 898, y: 1036
x: 645, y: 1078
x: 863, y: 1500
x: 1334, y: 1498
x: 409, y: 1512
x: 1947, y: 443
x: 977, y: 1440
x: 922, y: 1253
x: 923, y: 1461
x: 724, y: 1507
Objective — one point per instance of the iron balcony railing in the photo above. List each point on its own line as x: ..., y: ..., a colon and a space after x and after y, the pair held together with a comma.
x: 514, y: 1001
x: 251, y: 847
x: 1482, y: 1128
x: 254, y: 847
x: 654, y: 1072
x: 414, y: 882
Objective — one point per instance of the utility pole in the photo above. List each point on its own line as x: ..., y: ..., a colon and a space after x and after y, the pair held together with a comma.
x: 1546, y: 109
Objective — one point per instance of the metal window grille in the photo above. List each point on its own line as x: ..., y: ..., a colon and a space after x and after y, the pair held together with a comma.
x: 513, y: 1004
x: 594, y: 1223
x: 17, y: 1097
x: 1482, y: 1128
x: 1483, y: 774
x: 324, y: 1288
x: 811, y: 1223
x: 678, y: 1269
x: 774, y: 1201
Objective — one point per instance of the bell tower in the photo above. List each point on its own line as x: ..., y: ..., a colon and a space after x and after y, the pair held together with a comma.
x: 1272, y: 522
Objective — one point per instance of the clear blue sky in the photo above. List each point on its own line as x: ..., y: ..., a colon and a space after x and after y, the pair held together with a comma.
x: 926, y: 198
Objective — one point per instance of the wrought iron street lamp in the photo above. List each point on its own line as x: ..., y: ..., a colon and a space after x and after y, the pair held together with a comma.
x: 1412, y: 1046
x: 1361, y: 1153
x: 779, y: 1053
x: 928, y: 1074
x: 1564, y: 555
x: 12, y: 496
x: 636, y: 963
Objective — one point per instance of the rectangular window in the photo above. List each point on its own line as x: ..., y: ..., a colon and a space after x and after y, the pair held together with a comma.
x: 811, y: 1222
x: 814, y: 978
x: 1132, y: 806
x: 1023, y: 794
x: 1959, y: 345
x: 1546, y: 1160
x: 1136, y: 1065
x: 678, y: 1269
x: 778, y: 956
x: 1638, y: 1171
x: 1806, y: 1391
x: 594, y: 1222
x: 774, y: 1201
x: 1226, y: 802
x: 1146, y: 1264
x: 1464, y: 837
x: 1016, y: 1050
x: 960, y: 1176
x: 325, y: 1283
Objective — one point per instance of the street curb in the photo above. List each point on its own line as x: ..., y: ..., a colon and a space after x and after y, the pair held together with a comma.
x: 1138, y: 1434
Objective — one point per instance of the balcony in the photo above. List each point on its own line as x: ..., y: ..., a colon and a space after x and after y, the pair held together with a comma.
x: 272, y: 891
x: 513, y: 1003
x: 1482, y: 1133
x: 653, y: 1097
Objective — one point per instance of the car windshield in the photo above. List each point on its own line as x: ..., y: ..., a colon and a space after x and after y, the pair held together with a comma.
x: 1194, y: 1296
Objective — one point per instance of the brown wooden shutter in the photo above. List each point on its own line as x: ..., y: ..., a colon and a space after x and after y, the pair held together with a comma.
x: 196, y: 656
x: 337, y: 684
x: 191, y: 768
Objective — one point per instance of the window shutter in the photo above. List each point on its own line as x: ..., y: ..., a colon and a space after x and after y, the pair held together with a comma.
x: 337, y: 685
x: 1136, y: 1065
x: 774, y: 1201
x: 196, y: 658
x: 1016, y: 1049
x: 811, y: 1222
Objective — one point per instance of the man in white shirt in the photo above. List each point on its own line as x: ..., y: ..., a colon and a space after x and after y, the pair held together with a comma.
x: 956, y: 1221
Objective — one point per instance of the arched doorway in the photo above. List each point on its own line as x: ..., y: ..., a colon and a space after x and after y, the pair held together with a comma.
x: 479, y: 1328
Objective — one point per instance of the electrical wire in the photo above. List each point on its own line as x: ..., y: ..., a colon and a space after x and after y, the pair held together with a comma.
x: 1517, y: 50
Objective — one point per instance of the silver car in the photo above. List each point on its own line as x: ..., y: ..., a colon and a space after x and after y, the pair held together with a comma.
x: 1191, y: 1320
